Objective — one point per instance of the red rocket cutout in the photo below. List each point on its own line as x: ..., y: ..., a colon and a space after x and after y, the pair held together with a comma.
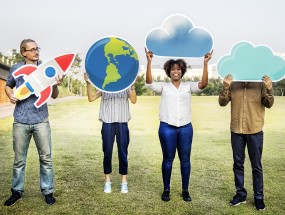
x: 40, y: 79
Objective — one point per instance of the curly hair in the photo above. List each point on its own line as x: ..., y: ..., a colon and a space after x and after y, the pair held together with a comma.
x: 170, y: 63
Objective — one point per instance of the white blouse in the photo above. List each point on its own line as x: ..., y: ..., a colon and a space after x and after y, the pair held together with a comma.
x: 175, y: 103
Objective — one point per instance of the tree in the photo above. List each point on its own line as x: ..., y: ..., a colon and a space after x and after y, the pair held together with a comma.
x: 166, y: 79
x: 140, y: 85
x: 214, y: 87
x: 185, y: 79
x: 158, y: 78
x: 16, y: 56
x: 279, y: 88
x: 74, y: 70
x: 77, y: 86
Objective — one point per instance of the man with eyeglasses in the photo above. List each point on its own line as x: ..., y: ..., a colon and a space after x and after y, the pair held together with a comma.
x: 30, y: 121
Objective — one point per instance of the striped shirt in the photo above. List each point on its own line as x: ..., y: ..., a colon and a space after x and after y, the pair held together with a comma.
x: 114, y: 107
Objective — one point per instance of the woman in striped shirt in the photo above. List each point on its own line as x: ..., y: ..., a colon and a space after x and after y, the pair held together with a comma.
x: 114, y: 114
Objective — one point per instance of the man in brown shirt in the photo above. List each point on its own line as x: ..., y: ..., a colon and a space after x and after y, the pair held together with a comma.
x: 248, y: 102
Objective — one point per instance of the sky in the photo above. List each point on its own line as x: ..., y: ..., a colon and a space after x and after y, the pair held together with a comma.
x: 60, y: 26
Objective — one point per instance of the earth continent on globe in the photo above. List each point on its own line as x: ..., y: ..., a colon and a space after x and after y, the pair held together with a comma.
x: 112, y: 64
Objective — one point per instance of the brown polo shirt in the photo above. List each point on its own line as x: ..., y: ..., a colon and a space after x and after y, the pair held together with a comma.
x: 248, y: 102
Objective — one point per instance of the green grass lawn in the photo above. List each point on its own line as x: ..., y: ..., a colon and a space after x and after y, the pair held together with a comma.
x: 78, y: 171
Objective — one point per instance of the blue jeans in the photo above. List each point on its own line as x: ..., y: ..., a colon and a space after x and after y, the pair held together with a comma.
x: 22, y: 134
x: 254, y: 143
x: 121, y: 132
x: 172, y: 138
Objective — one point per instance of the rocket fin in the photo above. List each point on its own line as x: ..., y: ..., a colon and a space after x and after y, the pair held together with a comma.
x: 64, y: 61
x: 24, y: 70
x: 44, y: 96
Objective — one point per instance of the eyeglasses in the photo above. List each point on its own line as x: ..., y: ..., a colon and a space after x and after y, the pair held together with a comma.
x: 33, y: 50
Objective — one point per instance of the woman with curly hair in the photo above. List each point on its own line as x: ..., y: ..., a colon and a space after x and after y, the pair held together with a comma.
x: 175, y: 130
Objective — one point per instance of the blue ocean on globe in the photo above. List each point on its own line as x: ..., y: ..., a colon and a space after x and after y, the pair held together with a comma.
x: 112, y: 64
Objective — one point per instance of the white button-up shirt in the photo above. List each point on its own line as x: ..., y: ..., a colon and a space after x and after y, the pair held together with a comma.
x: 175, y: 103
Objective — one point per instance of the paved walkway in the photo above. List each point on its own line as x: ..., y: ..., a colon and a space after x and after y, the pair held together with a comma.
x: 8, y: 110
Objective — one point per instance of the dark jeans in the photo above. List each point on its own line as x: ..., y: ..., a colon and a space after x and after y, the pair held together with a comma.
x: 121, y: 131
x: 254, y: 144
x: 172, y: 138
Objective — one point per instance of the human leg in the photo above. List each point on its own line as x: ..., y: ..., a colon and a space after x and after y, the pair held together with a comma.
x: 21, y: 140
x: 238, y: 142
x: 124, y: 184
x: 123, y: 139
x: 124, y: 178
x: 168, y: 141
x: 107, y: 177
x: 42, y: 137
x: 184, y: 145
x: 255, y: 147
x: 108, y: 184
x: 108, y: 137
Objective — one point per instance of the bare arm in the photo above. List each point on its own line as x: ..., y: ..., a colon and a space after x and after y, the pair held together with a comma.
x: 149, y: 56
x: 55, y: 90
x: 133, y: 94
x: 204, y: 82
x: 91, y: 97
x: 9, y: 92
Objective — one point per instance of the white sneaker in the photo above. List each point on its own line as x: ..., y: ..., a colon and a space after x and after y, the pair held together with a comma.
x: 108, y: 187
x: 124, y: 187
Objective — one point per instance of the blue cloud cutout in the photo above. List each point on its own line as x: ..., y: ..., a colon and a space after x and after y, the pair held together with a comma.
x: 177, y: 37
x: 249, y: 63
